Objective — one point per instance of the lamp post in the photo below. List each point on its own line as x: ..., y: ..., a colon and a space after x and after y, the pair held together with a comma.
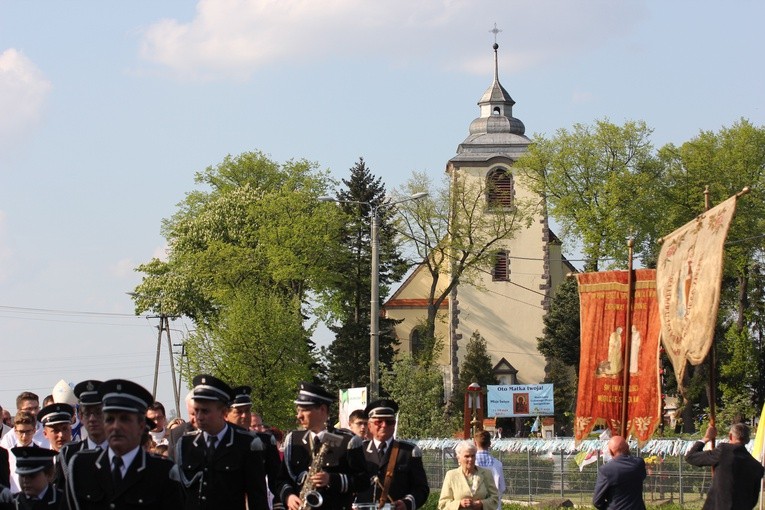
x: 374, y: 303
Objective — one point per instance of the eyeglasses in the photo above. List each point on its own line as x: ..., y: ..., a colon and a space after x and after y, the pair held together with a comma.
x: 95, y: 413
x: 380, y: 421
x: 25, y: 432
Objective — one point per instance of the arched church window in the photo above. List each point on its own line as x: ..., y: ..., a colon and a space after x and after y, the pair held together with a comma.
x: 501, y: 270
x: 500, y: 189
x: 417, y: 338
x: 497, y: 110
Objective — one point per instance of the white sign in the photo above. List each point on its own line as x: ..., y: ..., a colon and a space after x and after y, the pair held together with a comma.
x: 350, y: 400
x: 520, y: 400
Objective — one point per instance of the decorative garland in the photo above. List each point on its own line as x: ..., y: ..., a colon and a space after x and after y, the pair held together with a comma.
x: 672, y: 447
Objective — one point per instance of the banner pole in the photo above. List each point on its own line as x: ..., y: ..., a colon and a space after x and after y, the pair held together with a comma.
x: 712, y: 353
x: 628, y: 340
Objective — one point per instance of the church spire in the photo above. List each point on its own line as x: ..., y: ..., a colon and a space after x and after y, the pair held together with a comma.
x: 495, y: 132
x: 497, y: 103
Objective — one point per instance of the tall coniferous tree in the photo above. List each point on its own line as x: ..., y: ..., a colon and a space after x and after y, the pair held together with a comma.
x: 348, y: 355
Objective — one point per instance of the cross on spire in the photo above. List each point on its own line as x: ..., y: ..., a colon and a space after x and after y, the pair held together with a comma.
x: 495, y: 31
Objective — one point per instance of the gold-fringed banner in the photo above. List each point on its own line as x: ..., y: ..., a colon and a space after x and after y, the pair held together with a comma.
x: 688, y: 279
x: 603, y: 314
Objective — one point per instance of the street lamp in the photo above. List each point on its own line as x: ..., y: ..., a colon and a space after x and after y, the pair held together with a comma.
x: 374, y: 326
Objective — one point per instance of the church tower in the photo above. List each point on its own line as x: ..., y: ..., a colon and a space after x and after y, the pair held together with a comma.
x: 505, y: 305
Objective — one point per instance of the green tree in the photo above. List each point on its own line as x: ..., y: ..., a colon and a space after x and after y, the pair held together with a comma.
x: 419, y: 392
x: 246, y: 251
x: 593, y: 179
x: 348, y: 355
x: 726, y: 161
x: 561, y: 335
x: 476, y: 367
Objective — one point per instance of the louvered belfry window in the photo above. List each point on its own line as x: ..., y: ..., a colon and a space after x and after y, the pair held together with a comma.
x: 501, y: 271
x: 500, y: 189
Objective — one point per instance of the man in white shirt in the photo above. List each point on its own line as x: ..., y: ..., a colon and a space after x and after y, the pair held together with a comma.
x: 483, y: 458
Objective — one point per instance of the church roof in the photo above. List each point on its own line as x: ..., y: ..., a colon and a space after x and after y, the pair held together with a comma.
x: 495, y: 132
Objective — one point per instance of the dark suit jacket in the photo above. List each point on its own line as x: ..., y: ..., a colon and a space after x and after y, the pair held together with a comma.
x: 619, y: 485
x: 410, y: 483
x: 147, y: 483
x: 5, y: 469
x: 236, y: 474
x: 52, y: 500
x: 64, y: 458
x: 344, y: 463
x: 736, y: 482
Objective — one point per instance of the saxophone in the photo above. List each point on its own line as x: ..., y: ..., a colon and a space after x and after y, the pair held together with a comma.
x: 309, y: 496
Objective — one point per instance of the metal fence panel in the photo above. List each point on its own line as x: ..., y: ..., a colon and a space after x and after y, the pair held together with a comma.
x: 534, y: 477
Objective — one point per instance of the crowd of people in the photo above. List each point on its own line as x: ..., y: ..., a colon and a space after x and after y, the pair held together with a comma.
x: 113, y: 448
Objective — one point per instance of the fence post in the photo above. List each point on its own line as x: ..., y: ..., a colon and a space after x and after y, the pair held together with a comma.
x: 528, y: 466
x: 561, y: 473
x: 680, y: 468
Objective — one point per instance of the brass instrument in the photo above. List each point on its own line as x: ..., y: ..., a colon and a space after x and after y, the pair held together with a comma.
x: 309, y: 496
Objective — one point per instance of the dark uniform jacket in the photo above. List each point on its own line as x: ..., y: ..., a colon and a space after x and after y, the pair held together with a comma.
x: 736, y: 482
x: 409, y: 484
x: 619, y: 485
x: 146, y: 485
x: 53, y: 499
x: 5, y: 469
x: 65, y: 457
x: 344, y: 462
x: 234, y: 476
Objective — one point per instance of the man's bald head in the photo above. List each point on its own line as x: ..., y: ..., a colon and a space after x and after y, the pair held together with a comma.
x: 618, y: 446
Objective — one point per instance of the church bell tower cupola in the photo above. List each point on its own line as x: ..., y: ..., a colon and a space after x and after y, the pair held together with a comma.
x: 495, y: 132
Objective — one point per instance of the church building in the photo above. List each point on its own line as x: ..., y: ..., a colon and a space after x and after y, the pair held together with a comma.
x: 507, y: 304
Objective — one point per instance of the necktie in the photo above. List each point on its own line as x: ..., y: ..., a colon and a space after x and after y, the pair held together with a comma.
x: 381, y: 450
x: 316, y: 445
x: 211, y: 446
x: 117, y: 469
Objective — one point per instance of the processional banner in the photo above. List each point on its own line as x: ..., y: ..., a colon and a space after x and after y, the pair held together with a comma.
x: 603, y: 315
x: 688, y: 279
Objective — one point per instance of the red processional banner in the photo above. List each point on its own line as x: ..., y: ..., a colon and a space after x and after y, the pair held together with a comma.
x: 603, y: 315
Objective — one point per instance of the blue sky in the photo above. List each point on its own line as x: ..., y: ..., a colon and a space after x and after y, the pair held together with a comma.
x: 108, y: 108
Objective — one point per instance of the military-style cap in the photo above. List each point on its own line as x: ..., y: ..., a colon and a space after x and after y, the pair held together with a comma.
x: 312, y: 395
x: 53, y: 414
x: 241, y: 396
x: 208, y: 387
x: 123, y: 395
x: 87, y: 392
x: 383, y: 408
x: 31, y: 459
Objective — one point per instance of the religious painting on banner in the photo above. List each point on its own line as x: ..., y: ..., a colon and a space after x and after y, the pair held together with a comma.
x: 603, y: 316
x: 688, y: 277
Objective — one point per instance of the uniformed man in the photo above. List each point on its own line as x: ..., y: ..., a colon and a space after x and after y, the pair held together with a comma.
x: 92, y: 417
x: 399, y: 480
x: 123, y: 475
x: 221, y: 465
x: 324, y: 468
x: 240, y: 410
x: 56, y: 420
x: 34, y: 465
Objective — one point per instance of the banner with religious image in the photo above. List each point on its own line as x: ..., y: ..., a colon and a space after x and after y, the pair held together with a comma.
x: 516, y: 400
x: 603, y: 316
x: 688, y: 279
